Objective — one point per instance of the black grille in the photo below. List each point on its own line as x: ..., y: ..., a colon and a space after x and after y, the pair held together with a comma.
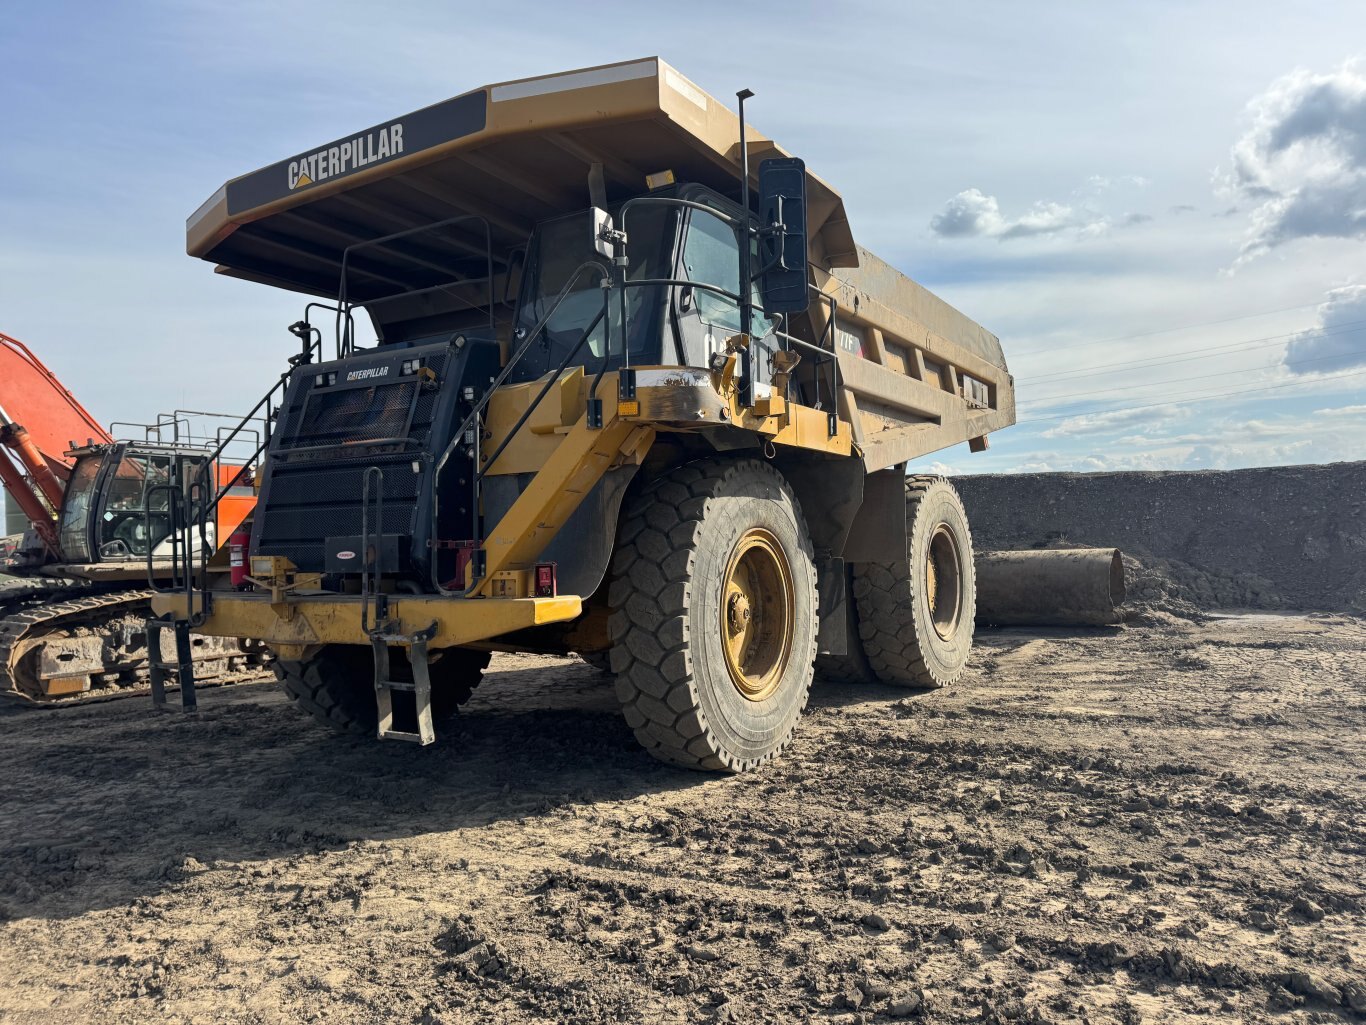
x: 311, y: 502
x: 328, y: 436
x: 356, y: 415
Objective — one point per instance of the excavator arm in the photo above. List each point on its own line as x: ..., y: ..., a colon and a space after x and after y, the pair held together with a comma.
x: 39, y: 421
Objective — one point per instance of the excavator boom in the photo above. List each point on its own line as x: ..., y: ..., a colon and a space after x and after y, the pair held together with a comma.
x: 54, y: 418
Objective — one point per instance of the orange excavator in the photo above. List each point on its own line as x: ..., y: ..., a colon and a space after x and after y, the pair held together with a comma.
x: 74, y: 593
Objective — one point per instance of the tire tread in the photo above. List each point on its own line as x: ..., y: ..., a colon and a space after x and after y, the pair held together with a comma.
x: 650, y: 598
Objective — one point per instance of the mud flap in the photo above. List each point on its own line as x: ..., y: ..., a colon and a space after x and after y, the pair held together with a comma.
x: 832, y: 592
x: 583, y: 547
x: 879, y: 530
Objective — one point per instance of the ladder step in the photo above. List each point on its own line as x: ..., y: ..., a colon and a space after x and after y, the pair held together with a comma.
x: 420, y: 687
x: 160, y: 671
x: 412, y: 738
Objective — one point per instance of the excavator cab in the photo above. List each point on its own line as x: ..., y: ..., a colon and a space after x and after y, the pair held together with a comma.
x: 115, y: 508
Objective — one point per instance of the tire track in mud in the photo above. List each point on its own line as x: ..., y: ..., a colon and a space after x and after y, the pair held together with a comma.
x: 1146, y: 838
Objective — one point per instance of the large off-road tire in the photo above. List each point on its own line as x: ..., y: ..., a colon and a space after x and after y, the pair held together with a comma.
x: 337, y: 686
x: 714, y: 614
x: 916, y: 614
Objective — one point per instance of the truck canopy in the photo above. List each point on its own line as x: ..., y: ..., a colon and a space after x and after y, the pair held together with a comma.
x: 510, y: 154
x: 501, y: 159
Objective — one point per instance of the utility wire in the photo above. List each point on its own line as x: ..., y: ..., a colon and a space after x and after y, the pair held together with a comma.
x: 1167, y: 330
x: 1186, y: 402
x: 1157, y: 361
x: 1201, y: 377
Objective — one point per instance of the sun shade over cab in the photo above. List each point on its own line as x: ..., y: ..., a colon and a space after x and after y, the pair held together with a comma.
x: 479, y: 171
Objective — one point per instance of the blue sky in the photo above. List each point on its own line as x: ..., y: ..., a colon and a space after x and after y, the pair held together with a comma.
x: 1153, y: 205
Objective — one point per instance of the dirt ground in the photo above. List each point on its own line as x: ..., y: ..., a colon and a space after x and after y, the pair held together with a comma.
x: 1160, y: 824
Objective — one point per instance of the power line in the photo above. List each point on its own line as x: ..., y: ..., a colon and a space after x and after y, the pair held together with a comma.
x: 1201, y: 377
x: 1186, y: 402
x: 1156, y: 361
x: 1170, y: 330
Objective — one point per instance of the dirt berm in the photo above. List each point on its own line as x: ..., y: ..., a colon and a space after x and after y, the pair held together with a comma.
x: 1285, y: 537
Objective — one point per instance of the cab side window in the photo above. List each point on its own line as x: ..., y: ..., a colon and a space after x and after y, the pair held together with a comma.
x: 711, y: 255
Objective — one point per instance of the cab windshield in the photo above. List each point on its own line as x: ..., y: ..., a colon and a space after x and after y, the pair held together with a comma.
x: 80, y: 492
x: 558, y: 248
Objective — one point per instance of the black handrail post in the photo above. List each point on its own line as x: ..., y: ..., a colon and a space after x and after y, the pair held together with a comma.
x: 746, y: 285
x: 369, y: 566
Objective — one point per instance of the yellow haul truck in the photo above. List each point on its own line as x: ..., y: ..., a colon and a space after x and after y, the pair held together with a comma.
x: 617, y: 404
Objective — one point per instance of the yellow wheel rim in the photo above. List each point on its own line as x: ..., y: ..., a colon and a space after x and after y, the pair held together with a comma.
x: 943, y: 581
x: 757, y: 613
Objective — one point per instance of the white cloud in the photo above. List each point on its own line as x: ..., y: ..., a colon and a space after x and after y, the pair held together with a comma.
x: 969, y: 213
x: 1114, y: 420
x: 1343, y: 412
x: 1099, y: 183
x: 1210, y: 453
x: 1302, y: 161
x: 1338, y: 341
x: 972, y: 213
x: 1229, y: 441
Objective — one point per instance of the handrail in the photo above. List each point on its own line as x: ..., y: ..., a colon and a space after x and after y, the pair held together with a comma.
x: 191, y: 497
x: 551, y: 378
x: 381, y: 605
x: 751, y: 231
x: 828, y: 355
x: 384, y: 242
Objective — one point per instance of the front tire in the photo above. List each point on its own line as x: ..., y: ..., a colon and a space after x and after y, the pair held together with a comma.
x: 714, y: 621
x: 916, y: 614
x: 337, y: 685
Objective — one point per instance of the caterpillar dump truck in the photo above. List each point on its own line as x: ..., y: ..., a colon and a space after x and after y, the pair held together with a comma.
x: 625, y: 399
x: 74, y: 617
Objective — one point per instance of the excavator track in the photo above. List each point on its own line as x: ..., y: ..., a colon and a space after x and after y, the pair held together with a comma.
x: 64, y: 644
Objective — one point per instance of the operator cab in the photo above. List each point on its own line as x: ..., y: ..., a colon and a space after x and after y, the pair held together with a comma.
x: 115, y: 508
x: 673, y: 324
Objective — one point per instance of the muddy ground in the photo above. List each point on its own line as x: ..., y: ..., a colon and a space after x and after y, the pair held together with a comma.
x: 1159, y: 824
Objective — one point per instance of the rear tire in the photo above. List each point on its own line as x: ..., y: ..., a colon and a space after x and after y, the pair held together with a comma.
x: 337, y: 686
x: 714, y: 621
x: 916, y: 614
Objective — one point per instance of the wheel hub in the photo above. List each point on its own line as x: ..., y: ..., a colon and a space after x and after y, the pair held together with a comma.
x: 943, y: 581
x: 757, y: 614
x: 737, y: 613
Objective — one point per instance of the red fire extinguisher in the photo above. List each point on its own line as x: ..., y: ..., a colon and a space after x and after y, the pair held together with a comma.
x: 237, y: 559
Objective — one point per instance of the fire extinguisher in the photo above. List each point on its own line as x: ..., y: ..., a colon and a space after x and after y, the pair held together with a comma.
x: 237, y: 559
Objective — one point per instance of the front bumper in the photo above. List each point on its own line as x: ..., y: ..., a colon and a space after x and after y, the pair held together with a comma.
x: 310, y: 620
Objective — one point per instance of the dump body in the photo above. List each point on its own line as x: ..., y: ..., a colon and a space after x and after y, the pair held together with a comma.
x: 567, y: 355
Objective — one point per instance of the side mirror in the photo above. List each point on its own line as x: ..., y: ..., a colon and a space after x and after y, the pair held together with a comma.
x: 602, y: 232
x: 782, y: 202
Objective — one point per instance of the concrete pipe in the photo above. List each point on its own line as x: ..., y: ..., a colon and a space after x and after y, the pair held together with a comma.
x: 1073, y: 587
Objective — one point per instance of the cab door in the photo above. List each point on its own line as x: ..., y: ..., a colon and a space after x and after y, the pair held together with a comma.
x: 710, y: 255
